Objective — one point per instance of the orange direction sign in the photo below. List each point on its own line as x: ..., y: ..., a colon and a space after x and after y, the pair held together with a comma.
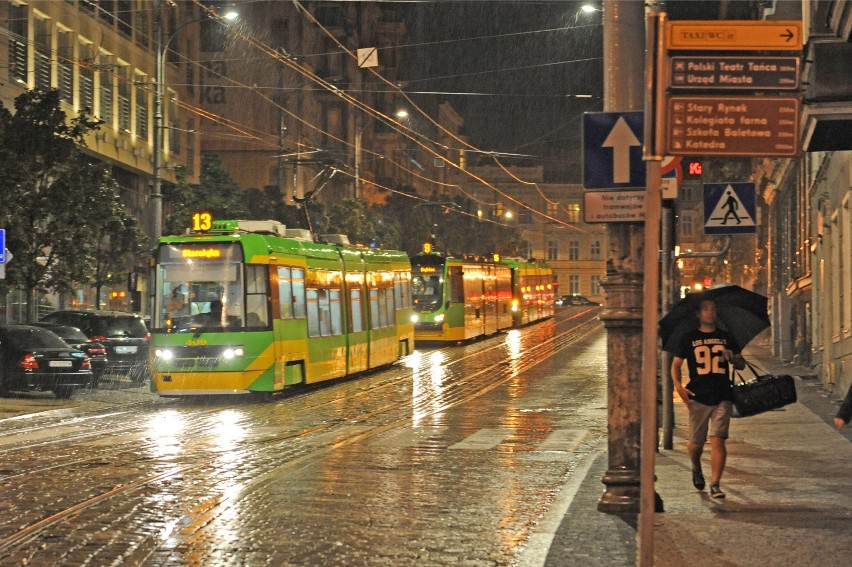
x: 733, y: 126
x: 735, y: 35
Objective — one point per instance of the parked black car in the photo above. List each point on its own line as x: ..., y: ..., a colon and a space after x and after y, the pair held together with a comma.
x: 34, y: 358
x: 124, y: 335
x: 76, y: 338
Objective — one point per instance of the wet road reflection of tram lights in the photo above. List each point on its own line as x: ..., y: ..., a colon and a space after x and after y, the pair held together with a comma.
x: 513, y: 345
x: 163, y: 431
x: 427, y: 387
x: 214, y: 455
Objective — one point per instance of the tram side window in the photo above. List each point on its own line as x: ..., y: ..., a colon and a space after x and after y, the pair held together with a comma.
x: 324, y: 312
x: 402, y: 290
x: 374, y: 309
x: 257, y: 313
x: 386, y: 311
x: 285, y: 293
x: 356, y: 311
x: 312, y: 296
x: 299, y: 307
x: 336, y: 312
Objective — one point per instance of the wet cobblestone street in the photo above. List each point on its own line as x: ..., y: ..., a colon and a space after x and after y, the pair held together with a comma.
x: 451, y: 457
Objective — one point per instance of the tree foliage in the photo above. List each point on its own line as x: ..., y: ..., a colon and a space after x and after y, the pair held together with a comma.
x: 61, y: 211
x: 217, y: 193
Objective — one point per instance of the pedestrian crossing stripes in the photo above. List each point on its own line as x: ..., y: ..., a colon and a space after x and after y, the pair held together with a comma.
x: 562, y: 440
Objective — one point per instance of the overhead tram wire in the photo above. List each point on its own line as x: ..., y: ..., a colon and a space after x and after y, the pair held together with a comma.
x: 391, y: 122
x: 431, y: 120
x: 244, y: 133
x: 436, y: 124
x: 274, y: 143
x: 399, y: 127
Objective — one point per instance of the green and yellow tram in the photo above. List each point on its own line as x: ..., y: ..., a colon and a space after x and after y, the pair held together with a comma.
x: 250, y: 306
x: 461, y: 298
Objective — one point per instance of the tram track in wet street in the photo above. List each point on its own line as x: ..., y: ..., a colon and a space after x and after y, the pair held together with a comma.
x: 231, y: 450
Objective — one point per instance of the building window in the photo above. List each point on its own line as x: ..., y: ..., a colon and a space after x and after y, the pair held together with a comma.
x: 142, y: 24
x: 65, y: 65
x: 524, y: 216
x: 42, y: 53
x: 213, y: 36
x: 552, y: 250
x: 596, y: 285
x: 280, y: 33
x: 552, y: 209
x: 595, y: 250
x: 574, y: 285
x: 124, y: 98
x: 141, y: 108
x: 87, y: 78
x: 573, y: 249
x: 107, y: 11
x: 105, y: 75
x: 573, y: 210
x: 125, y: 17
x: 18, y: 37
x: 687, y: 224
x: 333, y: 123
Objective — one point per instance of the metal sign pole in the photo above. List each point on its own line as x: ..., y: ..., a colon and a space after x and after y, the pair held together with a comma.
x: 655, y: 23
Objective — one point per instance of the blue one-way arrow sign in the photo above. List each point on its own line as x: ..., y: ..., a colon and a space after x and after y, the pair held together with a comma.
x: 612, y: 150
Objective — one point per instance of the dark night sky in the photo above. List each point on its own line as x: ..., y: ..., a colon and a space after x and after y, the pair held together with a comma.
x: 519, y: 63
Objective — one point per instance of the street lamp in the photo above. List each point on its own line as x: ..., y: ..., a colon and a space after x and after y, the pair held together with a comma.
x: 159, y: 78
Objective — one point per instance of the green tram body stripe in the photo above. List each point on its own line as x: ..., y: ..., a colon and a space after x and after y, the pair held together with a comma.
x: 286, y: 355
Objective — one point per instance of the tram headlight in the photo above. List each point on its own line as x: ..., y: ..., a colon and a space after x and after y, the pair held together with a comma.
x: 164, y: 354
x: 232, y: 352
x: 439, y: 318
x: 415, y: 318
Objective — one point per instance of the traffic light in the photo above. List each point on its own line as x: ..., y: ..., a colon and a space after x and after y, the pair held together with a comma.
x: 694, y: 168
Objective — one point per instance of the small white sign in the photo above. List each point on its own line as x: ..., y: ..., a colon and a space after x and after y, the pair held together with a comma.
x: 614, y: 206
x: 368, y: 57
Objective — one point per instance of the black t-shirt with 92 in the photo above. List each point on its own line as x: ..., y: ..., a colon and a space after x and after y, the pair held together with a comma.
x: 708, y: 370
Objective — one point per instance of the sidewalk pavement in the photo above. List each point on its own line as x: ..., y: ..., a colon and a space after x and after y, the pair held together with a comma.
x: 788, y: 482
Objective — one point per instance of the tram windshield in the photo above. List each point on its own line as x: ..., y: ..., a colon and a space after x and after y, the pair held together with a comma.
x: 199, y: 287
x: 427, y: 291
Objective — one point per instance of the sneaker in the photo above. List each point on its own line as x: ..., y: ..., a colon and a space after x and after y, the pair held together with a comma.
x: 716, y: 492
x: 698, y: 479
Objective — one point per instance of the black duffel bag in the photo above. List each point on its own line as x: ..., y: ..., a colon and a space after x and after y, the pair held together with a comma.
x: 762, y: 393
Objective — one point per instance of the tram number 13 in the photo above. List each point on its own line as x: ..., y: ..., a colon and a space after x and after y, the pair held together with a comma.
x: 202, y: 222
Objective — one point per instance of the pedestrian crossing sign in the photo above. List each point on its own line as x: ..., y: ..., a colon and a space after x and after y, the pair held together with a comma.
x: 729, y: 208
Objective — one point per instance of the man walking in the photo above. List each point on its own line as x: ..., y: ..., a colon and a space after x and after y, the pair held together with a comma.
x: 709, y: 398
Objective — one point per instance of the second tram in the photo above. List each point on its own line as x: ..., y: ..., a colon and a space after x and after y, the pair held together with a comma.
x: 461, y: 298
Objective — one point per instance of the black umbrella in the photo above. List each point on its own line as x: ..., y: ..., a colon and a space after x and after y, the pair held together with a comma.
x: 739, y: 311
